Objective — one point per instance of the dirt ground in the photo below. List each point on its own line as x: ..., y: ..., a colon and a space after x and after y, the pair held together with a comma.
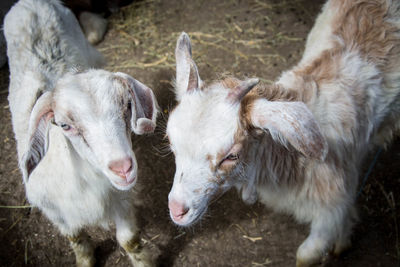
x: 253, y: 38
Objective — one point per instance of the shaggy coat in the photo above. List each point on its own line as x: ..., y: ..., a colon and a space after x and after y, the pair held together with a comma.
x: 295, y: 145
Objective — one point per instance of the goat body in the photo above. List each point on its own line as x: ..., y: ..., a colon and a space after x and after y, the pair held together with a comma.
x: 72, y: 125
x: 297, y: 144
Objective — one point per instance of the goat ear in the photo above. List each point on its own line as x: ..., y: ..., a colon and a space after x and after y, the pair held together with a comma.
x: 143, y: 104
x: 187, y: 75
x: 39, y: 124
x: 144, y: 107
x: 292, y: 122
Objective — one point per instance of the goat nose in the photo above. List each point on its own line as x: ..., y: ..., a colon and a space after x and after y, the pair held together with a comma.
x: 178, y: 210
x: 121, y: 167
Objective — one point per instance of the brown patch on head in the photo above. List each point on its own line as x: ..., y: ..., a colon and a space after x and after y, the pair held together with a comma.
x: 226, y: 168
x: 240, y: 136
x: 209, y: 158
x: 235, y: 149
x: 230, y: 82
x: 221, y: 156
x: 274, y: 92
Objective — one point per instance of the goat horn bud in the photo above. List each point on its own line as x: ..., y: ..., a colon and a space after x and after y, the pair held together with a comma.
x: 237, y: 93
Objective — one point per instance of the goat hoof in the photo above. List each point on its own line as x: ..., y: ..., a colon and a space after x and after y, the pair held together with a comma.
x: 340, y: 248
x: 308, y: 261
x: 85, y: 262
x: 141, y: 259
x: 83, y: 249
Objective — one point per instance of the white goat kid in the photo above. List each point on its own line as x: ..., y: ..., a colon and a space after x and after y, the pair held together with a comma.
x: 73, y: 127
x: 297, y: 145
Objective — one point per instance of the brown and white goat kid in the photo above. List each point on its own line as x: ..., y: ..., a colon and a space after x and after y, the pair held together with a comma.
x: 73, y: 128
x: 296, y: 145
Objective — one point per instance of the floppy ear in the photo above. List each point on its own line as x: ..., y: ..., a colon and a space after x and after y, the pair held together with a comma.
x: 39, y: 122
x: 292, y: 122
x: 187, y: 75
x: 143, y: 105
x: 144, y: 108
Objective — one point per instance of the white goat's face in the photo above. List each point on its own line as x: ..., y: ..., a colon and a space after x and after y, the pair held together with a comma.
x: 97, y: 110
x: 206, y: 137
x: 203, y: 136
x: 208, y: 134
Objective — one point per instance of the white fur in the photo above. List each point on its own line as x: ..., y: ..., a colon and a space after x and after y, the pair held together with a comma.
x: 301, y: 158
x: 50, y: 73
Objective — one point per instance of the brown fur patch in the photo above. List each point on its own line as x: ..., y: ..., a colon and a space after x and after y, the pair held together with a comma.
x: 274, y: 92
x: 211, y: 163
x: 230, y: 82
x: 364, y: 28
x: 327, y: 186
x: 227, y: 168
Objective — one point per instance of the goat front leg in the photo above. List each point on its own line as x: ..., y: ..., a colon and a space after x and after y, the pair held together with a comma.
x: 128, y: 236
x: 328, y: 227
x: 343, y: 241
x: 83, y: 249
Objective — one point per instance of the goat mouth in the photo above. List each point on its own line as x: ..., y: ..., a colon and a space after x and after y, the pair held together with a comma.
x: 191, y: 218
x: 126, y: 183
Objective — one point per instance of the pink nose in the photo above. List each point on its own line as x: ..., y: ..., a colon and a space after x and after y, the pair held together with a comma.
x: 121, y: 167
x: 178, y: 210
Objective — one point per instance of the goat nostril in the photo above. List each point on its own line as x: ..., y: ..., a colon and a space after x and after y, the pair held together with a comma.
x: 129, y: 168
x: 121, y: 167
x: 184, y: 212
x: 178, y: 210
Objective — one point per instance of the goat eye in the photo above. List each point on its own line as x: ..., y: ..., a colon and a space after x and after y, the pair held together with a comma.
x: 232, y: 157
x: 65, y: 127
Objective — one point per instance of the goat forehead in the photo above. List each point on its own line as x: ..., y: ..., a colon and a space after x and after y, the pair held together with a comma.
x: 84, y: 103
x: 203, y: 124
x: 91, y: 94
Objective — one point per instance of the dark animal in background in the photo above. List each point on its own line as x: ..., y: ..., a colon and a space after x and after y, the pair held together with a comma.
x: 90, y: 13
